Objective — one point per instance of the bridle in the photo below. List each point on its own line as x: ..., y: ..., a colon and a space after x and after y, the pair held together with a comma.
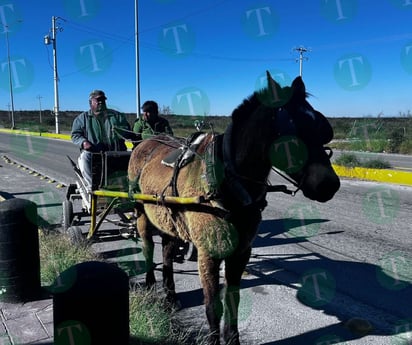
x: 286, y: 127
x: 283, y: 188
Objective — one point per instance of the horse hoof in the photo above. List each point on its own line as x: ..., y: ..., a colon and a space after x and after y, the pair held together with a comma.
x: 213, y: 341
x: 177, y: 305
x: 150, y: 279
x: 231, y: 338
x: 359, y: 326
x: 173, y: 302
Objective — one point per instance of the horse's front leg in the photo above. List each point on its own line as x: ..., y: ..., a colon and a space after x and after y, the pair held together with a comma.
x: 168, y: 251
x: 234, y: 267
x: 209, y: 278
x: 145, y: 232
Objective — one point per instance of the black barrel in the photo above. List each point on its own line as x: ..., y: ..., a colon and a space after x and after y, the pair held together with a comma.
x: 91, y: 305
x: 19, y: 251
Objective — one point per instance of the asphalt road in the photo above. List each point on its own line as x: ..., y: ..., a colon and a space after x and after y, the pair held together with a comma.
x: 313, y: 267
x: 42, y: 153
x: 47, y: 156
x: 396, y: 161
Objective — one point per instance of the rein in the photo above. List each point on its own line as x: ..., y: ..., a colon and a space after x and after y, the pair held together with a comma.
x: 283, y: 188
x: 234, y: 179
x: 228, y: 160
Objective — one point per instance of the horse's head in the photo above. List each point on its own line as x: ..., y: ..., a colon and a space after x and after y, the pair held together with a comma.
x: 278, y: 127
x: 299, y: 148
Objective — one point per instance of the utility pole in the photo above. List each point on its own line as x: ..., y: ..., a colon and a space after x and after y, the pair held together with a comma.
x: 136, y: 24
x: 39, y: 98
x: 48, y: 40
x: 8, y: 107
x: 301, y: 50
x: 6, y: 31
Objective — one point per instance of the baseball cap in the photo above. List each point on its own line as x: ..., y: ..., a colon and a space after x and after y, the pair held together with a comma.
x: 96, y: 94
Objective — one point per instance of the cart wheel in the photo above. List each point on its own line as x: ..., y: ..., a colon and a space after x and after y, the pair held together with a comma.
x: 191, y: 252
x: 68, y: 214
x: 76, y: 235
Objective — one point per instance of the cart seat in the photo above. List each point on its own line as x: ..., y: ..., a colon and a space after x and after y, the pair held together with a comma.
x: 109, y: 170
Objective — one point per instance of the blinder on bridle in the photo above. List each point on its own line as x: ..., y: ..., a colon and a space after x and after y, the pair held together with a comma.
x: 286, y: 125
x: 313, y: 127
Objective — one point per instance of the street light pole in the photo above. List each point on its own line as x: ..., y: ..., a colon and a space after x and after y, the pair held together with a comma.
x: 136, y: 23
x: 48, y: 40
x: 6, y: 27
x: 55, y: 76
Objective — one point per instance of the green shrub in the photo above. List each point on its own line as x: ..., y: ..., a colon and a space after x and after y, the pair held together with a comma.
x: 375, y: 164
x: 348, y: 160
x: 406, y: 147
x: 396, y: 138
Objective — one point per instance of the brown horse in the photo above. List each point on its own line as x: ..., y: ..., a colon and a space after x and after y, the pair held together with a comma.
x: 273, y: 127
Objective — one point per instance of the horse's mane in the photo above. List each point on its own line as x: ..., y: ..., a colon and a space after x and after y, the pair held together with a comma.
x: 265, y: 97
x: 248, y: 105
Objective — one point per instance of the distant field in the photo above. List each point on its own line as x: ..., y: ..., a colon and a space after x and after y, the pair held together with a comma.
x: 375, y: 134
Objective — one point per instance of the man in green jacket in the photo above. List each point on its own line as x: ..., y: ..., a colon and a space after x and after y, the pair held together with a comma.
x: 98, y: 130
x: 150, y: 123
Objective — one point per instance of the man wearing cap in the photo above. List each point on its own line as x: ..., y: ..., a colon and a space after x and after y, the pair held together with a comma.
x: 98, y: 130
x: 150, y: 123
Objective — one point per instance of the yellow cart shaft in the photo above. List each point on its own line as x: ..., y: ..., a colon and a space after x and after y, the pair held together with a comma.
x: 151, y: 198
x: 94, y: 225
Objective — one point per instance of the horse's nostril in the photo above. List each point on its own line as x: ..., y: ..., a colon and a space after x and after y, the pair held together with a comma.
x: 321, y: 183
x: 328, y: 188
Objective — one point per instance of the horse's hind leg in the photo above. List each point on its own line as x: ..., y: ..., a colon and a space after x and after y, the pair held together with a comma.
x: 234, y: 267
x: 145, y: 232
x: 168, y: 251
x: 209, y: 277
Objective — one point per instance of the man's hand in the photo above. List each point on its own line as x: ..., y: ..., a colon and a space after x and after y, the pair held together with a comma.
x: 86, y: 145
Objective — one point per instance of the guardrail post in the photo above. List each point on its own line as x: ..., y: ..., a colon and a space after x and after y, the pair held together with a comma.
x: 91, y: 305
x: 19, y: 251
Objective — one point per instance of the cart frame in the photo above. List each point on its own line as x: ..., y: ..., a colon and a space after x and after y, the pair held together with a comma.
x: 101, y: 191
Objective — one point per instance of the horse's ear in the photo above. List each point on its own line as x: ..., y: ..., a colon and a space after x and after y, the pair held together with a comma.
x: 273, y: 86
x: 270, y: 79
x: 299, y: 89
x: 278, y: 96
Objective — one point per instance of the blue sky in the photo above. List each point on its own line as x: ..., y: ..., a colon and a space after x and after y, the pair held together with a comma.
x: 205, y: 57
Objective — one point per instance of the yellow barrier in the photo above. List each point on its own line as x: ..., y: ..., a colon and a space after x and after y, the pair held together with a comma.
x: 37, y: 134
x: 380, y: 175
x: 46, y: 135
